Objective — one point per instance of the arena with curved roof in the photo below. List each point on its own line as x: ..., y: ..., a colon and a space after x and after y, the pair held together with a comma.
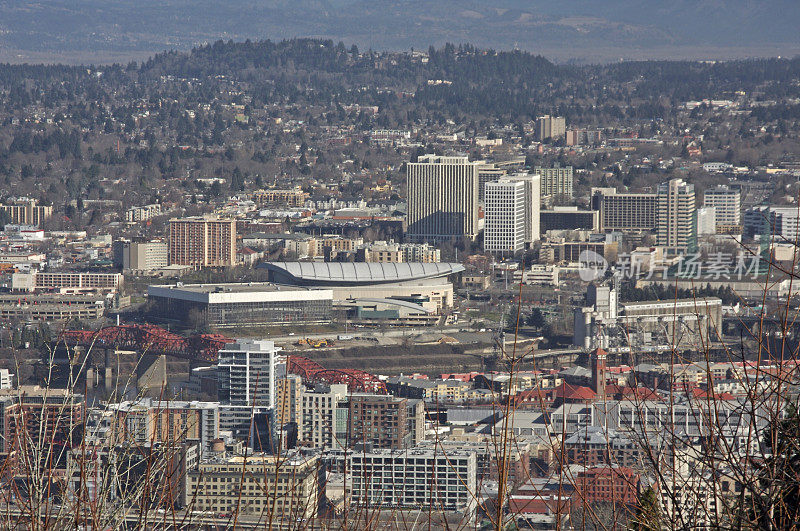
x: 356, y: 273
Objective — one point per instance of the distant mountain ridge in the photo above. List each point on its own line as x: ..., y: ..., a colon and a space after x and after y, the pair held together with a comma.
x: 584, y: 29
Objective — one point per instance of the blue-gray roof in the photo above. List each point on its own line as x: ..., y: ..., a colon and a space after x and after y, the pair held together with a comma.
x: 360, y: 272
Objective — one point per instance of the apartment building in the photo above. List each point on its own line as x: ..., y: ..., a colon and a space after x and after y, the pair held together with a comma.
x: 550, y: 127
x: 677, y: 216
x: 27, y: 212
x: 246, y: 373
x: 202, y: 242
x: 34, y: 418
x: 289, y: 400
x: 288, y: 198
x: 148, y: 421
x: 325, y: 412
x: 141, y: 256
x: 556, y: 180
x: 385, y: 421
x: 142, y: 213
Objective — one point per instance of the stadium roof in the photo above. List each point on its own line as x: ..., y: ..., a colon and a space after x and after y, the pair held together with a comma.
x: 355, y: 273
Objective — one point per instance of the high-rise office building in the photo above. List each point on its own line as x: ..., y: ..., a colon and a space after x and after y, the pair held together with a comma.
x: 556, y: 180
x: 246, y: 372
x: 550, y: 127
x: 533, y: 204
x: 504, y: 227
x: 202, y: 242
x: 442, y: 198
x: 727, y: 203
x: 677, y: 216
x: 488, y: 172
x: 624, y: 212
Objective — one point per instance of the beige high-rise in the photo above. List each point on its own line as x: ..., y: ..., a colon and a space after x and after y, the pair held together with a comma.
x: 442, y: 198
x: 677, y: 221
x: 27, y: 213
x: 202, y: 242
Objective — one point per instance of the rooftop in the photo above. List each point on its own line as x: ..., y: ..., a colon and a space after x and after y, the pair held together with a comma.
x: 361, y: 272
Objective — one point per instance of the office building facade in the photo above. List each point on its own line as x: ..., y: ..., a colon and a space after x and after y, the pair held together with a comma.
x: 442, y: 198
x: 412, y: 478
x: 727, y: 203
x: 533, y: 204
x: 504, y: 227
x: 143, y: 256
x: 624, y: 212
x: 202, y: 242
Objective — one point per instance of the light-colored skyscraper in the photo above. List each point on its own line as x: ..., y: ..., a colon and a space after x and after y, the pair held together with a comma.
x: 677, y: 216
x: 246, y: 372
x: 442, y: 198
x: 504, y: 228
x: 202, y: 242
x: 533, y: 204
x: 555, y: 181
x: 728, y: 205
x: 706, y: 220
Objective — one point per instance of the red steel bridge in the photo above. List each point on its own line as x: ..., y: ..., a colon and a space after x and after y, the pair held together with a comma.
x: 148, y: 339
x: 356, y: 380
x: 151, y: 339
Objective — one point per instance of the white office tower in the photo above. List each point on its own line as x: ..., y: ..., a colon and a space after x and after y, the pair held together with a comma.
x: 677, y: 217
x: 504, y: 227
x: 533, y: 204
x: 246, y: 372
x: 706, y: 221
x: 442, y: 198
x: 728, y: 205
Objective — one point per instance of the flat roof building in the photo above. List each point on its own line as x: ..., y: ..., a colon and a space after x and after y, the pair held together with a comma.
x: 202, y: 242
x: 442, y: 198
x: 243, y: 304
x: 623, y: 211
x: 412, y: 478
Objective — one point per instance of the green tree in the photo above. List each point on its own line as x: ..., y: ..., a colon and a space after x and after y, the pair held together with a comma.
x: 647, y: 516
